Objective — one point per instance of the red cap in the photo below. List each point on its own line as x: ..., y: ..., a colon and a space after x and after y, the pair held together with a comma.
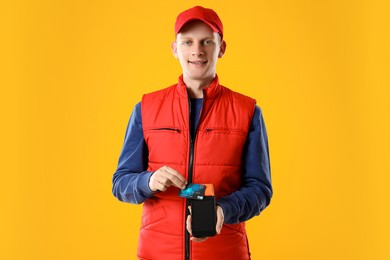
x: 206, y: 15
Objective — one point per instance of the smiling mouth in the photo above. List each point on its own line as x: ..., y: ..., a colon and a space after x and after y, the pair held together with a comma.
x: 197, y: 62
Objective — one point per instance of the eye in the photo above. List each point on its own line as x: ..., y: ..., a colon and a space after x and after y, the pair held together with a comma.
x: 208, y: 42
x: 186, y: 43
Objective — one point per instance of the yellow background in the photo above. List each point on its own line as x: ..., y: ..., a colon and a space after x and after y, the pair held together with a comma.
x: 72, y: 71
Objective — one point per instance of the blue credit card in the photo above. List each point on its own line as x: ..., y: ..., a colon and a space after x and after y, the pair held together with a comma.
x: 193, y: 191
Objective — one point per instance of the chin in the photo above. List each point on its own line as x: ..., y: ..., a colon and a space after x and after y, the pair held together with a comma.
x: 200, y: 76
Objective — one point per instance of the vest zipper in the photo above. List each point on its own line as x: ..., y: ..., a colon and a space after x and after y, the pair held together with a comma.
x: 190, y: 165
x: 190, y: 171
x: 167, y: 129
x: 187, y: 236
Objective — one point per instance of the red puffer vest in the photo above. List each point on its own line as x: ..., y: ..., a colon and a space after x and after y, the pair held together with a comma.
x: 215, y: 157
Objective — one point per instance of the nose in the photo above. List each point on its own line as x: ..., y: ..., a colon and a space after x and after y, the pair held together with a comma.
x: 197, y: 50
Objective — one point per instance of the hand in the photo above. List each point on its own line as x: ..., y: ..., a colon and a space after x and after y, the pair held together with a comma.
x: 166, y: 177
x: 218, y: 227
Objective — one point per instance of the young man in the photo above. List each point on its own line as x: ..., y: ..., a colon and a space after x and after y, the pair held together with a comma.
x: 195, y: 131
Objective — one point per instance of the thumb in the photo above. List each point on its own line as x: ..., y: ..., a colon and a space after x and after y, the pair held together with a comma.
x: 220, y: 219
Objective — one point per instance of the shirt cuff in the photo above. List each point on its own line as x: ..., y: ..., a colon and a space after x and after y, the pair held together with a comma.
x: 144, y: 184
x: 228, y: 210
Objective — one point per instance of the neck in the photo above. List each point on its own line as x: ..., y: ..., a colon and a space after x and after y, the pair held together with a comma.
x: 195, y: 87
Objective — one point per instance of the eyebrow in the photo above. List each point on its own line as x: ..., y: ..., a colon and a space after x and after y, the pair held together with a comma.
x: 191, y: 38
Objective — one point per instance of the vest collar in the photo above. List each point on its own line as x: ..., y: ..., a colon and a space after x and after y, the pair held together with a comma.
x: 209, y: 92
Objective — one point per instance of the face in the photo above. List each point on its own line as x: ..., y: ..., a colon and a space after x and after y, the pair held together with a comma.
x: 198, y: 48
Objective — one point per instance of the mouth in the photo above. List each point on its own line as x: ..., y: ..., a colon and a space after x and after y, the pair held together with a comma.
x: 200, y: 62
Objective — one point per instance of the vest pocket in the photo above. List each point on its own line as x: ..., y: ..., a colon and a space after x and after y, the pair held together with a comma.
x: 152, y: 216
x: 164, y: 129
x: 227, y: 131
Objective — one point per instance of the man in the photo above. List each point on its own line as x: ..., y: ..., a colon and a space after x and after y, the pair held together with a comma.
x: 196, y: 131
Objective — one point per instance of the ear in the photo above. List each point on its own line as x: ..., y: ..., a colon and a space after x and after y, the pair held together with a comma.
x: 222, y: 49
x: 174, y: 49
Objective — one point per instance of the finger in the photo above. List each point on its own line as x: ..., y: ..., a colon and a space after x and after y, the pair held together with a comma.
x: 160, y: 186
x: 166, y: 177
x: 152, y: 181
x: 198, y: 239
x: 175, y: 177
x: 220, y: 219
x: 189, y: 227
x: 161, y: 181
x: 164, y: 181
x: 158, y: 181
x: 174, y: 172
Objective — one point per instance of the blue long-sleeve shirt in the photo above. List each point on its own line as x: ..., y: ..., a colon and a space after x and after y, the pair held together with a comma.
x: 131, y: 179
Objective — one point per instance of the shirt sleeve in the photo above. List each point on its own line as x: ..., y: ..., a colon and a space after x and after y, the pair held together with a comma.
x: 256, y: 191
x: 130, y: 182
